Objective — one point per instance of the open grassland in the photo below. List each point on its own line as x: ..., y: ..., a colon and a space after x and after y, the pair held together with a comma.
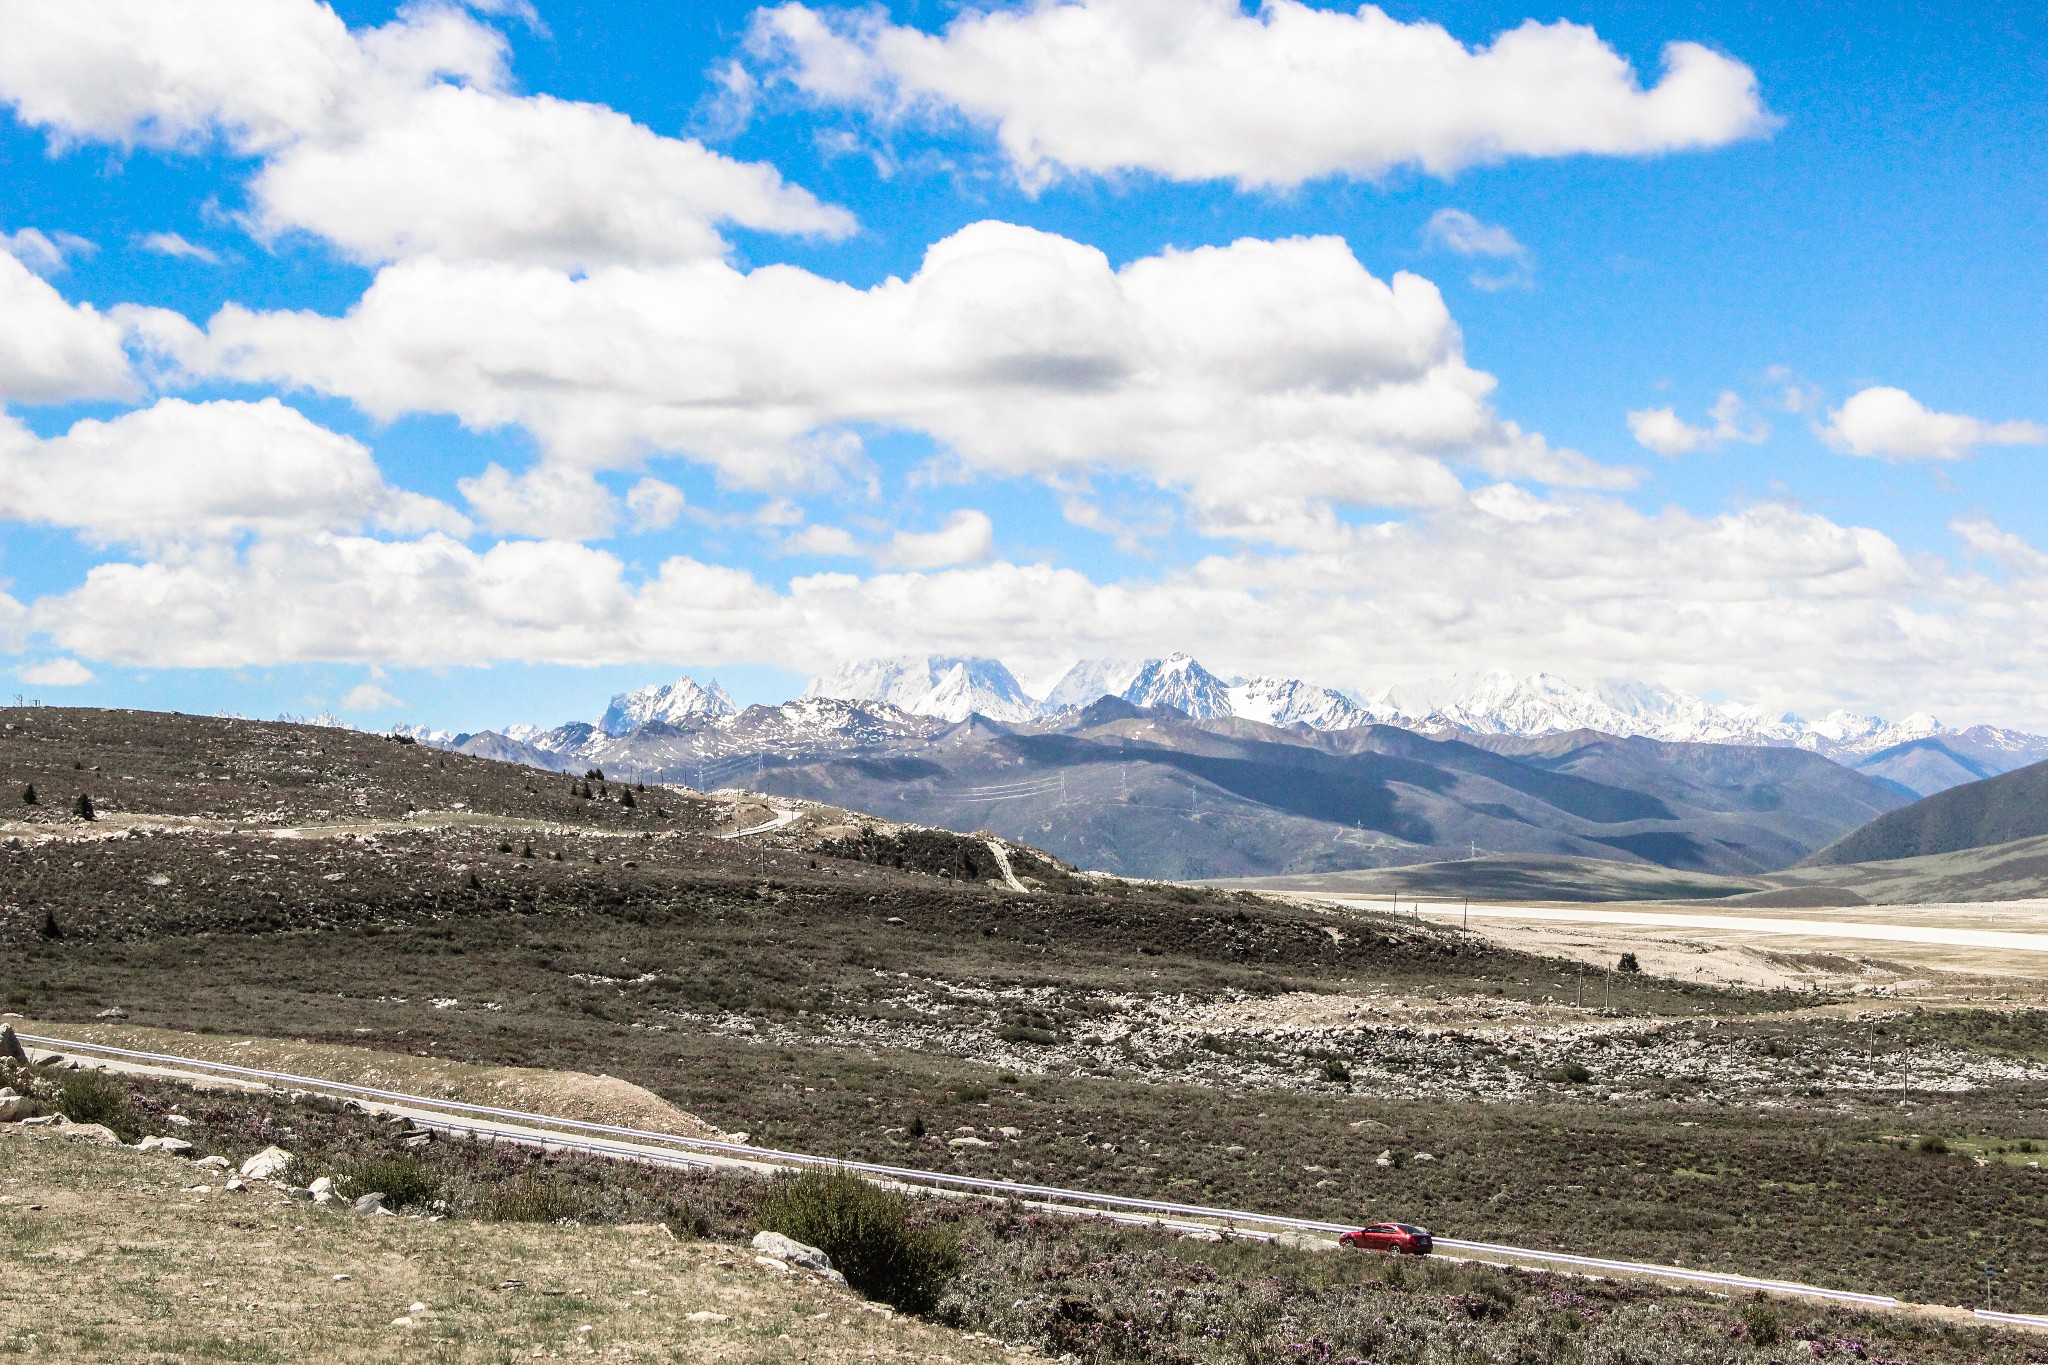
x: 1138, y: 1038
x: 112, y: 1254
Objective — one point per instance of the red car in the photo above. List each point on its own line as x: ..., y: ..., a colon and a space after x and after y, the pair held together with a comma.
x: 1403, y: 1239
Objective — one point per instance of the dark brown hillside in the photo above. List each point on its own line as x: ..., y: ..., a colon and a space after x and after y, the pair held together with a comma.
x: 1998, y: 810
x: 263, y: 772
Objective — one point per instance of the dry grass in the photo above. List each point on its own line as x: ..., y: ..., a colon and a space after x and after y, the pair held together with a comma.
x: 562, y: 1094
x: 109, y: 1255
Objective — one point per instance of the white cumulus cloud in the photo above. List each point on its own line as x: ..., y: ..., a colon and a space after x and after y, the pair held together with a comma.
x: 52, y: 351
x: 1890, y: 424
x: 1269, y: 370
x: 180, y: 472
x: 390, y: 142
x: 1664, y: 431
x: 549, y: 501
x: 968, y: 537
x: 1784, y: 606
x: 55, y: 673
x: 1201, y: 89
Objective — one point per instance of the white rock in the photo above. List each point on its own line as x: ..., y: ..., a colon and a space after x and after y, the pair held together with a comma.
x: 321, y: 1185
x: 1301, y: 1241
x: 1384, y: 1159
x: 1424, y: 1156
x: 213, y: 1163
x: 1011, y: 1132
x: 13, y: 1106
x: 169, y: 1145
x: 969, y: 1142
x: 268, y: 1164
x: 791, y: 1250
x: 88, y: 1132
x: 704, y: 1315
x: 178, y: 1120
x: 370, y: 1203
x: 328, y: 1199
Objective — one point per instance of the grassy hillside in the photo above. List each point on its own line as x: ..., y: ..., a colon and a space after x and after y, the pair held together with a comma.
x: 1998, y: 810
x: 1144, y: 1039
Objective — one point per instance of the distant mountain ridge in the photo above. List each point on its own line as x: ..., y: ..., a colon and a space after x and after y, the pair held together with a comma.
x: 1496, y: 703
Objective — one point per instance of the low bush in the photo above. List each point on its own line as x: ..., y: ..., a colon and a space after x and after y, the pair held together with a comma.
x: 1760, y: 1320
x: 402, y: 1180
x: 867, y: 1232
x: 528, y: 1200
x: 95, y: 1097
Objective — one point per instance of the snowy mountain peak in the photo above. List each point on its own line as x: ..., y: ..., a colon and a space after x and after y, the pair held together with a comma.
x: 1290, y: 701
x: 682, y: 700
x: 1178, y: 681
x: 1090, y: 680
x: 925, y: 685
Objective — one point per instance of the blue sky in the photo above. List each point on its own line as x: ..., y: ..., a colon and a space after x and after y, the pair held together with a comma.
x: 727, y: 444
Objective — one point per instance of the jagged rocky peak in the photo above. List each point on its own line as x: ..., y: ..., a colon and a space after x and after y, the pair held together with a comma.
x: 932, y: 685
x: 1178, y: 681
x: 684, y: 699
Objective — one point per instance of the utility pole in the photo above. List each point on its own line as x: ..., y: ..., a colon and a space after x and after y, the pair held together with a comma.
x: 1468, y: 915
x: 1582, y: 986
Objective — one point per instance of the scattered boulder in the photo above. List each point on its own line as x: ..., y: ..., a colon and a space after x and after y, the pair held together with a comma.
x: 969, y: 1142
x: 268, y: 1164
x: 88, y: 1132
x: 168, y: 1145
x: 1010, y: 1132
x: 1302, y: 1241
x: 13, y: 1106
x: 114, y: 1012
x: 321, y: 1185
x: 1385, y: 1158
x: 328, y: 1199
x: 1201, y: 1235
x: 371, y: 1203
x: 795, y: 1252
x: 213, y: 1163
x: 704, y: 1315
x: 10, y: 1046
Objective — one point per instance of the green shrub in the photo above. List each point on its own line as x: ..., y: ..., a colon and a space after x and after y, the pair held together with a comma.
x: 866, y: 1231
x: 527, y: 1200
x: 1571, y: 1073
x: 969, y: 1094
x: 1335, y: 1070
x: 1628, y: 963
x: 95, y: 1097
x: 402, y: 1180
x: 1761, y: 1320
x: 1933, y: 1146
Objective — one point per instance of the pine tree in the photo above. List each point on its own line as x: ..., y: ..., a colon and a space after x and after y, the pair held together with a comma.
x: 82, y: 808
x: 627, y: 800
x: 51, y: 929
x: 29, y: 797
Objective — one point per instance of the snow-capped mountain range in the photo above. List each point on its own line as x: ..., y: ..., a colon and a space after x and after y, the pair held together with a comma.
x: 695, y: 726
x: 1496, y: 703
